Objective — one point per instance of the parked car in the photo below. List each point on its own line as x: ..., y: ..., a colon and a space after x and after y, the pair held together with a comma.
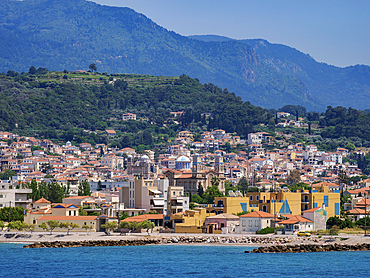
x: 303, y: 234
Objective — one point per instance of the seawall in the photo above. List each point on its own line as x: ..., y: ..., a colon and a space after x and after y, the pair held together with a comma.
x: 162, y: 240
x: 305, y: 248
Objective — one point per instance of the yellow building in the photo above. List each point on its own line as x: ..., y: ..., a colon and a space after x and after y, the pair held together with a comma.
x: 79, y: 220
x: 43, y: 211
x: 285, y: 202
x: 190, y: 221
x: 231, y: 205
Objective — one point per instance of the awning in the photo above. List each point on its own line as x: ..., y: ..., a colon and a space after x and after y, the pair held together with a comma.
x: 155, y: 191
x: 158, y: 202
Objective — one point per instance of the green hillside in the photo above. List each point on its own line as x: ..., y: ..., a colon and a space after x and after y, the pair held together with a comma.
x: 80, y: 106
x: 64, y: 34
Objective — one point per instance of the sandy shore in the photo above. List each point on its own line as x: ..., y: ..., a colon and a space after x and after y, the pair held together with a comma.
x: 226, y: 239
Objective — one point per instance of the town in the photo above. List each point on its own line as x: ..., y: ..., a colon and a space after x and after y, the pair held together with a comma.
x: 220, y: 184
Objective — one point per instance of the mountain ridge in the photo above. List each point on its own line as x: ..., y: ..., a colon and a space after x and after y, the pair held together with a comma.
x: 73, y: 34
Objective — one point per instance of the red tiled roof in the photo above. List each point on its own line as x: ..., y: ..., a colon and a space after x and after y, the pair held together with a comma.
x: 42, y: 201
x: 295, y: 219
x: 258, y: 214
x: 141, y: 218
x: 65, y: 218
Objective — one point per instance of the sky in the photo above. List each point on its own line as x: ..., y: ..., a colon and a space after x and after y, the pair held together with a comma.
x: 335, y: 32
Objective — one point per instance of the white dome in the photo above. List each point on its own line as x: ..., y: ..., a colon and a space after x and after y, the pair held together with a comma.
x: 183, y: 158
x: 144, y: 158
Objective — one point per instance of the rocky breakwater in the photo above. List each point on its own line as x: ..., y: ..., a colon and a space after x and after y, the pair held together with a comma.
x: 303, y: 248
x: 225, y: 240
x: 90, y: 243
x: 164, y: 240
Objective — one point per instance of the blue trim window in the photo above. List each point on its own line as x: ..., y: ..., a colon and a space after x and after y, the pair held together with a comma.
x: 326, y: 201
x: 314, y: 205
x: 337, y: 210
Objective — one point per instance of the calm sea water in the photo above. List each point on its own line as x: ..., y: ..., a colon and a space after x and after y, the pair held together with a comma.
x: 176, y: 261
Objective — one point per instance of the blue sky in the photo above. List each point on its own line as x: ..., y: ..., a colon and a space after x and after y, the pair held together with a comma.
x: 336, y: 32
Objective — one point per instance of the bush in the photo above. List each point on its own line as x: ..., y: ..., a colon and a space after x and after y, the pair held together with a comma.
x: 267, y: 230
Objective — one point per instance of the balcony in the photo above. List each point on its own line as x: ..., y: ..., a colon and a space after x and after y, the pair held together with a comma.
x: 305, y: 201
x: 23, y: 200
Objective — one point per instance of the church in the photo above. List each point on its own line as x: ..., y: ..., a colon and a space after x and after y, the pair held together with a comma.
x: 191, y: 180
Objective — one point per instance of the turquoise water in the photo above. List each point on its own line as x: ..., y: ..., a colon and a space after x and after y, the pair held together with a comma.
x: 176, y: 261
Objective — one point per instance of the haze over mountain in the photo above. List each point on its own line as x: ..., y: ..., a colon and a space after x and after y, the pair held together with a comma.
x: 63, y: 34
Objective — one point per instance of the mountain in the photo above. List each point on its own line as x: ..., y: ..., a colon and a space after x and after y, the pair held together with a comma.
x: 328, y: 85
x: 64, y: 34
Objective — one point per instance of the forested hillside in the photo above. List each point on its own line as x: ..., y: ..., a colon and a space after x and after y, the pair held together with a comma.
x: 78, y: 107
x: 60, y: 106
x: 64, y: 34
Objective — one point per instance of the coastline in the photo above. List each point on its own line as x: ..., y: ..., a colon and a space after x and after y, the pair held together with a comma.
x: 42, y: 239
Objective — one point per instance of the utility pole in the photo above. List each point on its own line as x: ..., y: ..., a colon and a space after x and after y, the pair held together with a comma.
x: 275, y: 214
x: 10, y: 209
x: 365, y: 212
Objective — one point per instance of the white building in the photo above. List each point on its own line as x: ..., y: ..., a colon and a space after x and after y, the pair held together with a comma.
x: 254, y: 221
x: 14, y: 197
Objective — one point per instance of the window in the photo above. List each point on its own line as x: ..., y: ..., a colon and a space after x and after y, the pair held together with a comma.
x: 250, y: 198
x: 256, y: 223
x: 174, y: 193
x: 250, y: 223
x: 337, y: 209
x: 1, y: 196
x: 257, y: 198
x: 326, y: 201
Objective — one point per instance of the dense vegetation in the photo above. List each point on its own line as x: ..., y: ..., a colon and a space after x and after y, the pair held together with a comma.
x: 78, y: 107
x: 63, y: 34
x: 78, y: 110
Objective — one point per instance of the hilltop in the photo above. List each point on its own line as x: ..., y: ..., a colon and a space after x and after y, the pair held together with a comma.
x: 61, y: 34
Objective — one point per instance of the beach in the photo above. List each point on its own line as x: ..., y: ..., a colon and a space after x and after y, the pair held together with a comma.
x: 159, y: 238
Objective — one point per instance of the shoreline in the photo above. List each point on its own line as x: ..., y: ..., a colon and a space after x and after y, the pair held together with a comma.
x: 42, y: 239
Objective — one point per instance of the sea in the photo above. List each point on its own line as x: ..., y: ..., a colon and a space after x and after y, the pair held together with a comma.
x: 176, y: 261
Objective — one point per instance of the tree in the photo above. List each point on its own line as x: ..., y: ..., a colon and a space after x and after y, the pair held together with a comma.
x: 109, y: 226
x: 195, y: 198
x: 65, y: 225
x: 210, y: 194
x: 81, y: 211
x: 147, y: 225
x: 100, y: 186
x: 93, y: 67
x: 68, y: 225
x: 32, y: 70
x: 350, y: 146
x: 200, y: 190
x: 130, y: 225
x: 294, y: 177
x: 49, y: 225
x: 342, y: 177
x: 7, y: 174
x: 86, y: 227
x: 16, y: 214
x: 15, y: 225
x: 84, y: 189
x: 2, y: 225
x: 123, y: 216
